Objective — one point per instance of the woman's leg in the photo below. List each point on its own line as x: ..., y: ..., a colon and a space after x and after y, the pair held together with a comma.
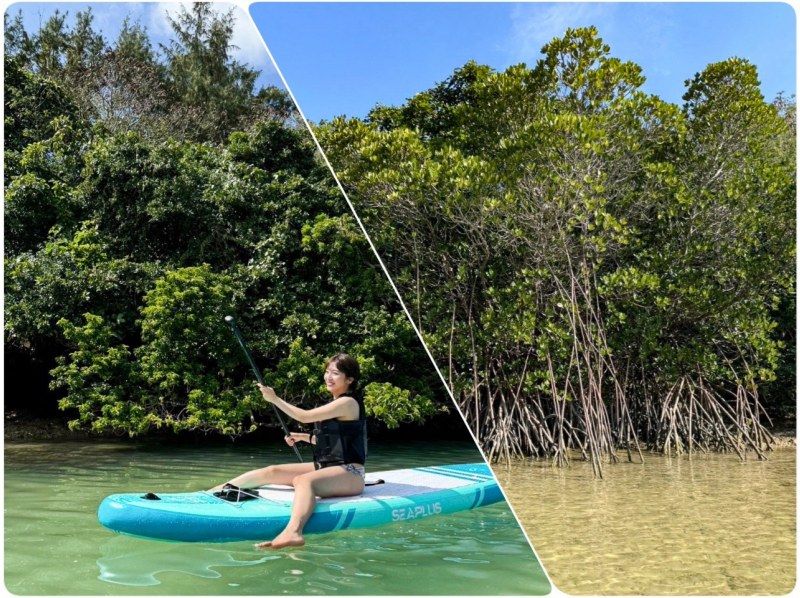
x: 274, y: 474
x: 327, y: 482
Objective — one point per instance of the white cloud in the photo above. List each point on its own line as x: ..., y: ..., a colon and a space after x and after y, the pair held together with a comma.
x: 246, y: 40
x: 533, y: 25
x: 157, y: 18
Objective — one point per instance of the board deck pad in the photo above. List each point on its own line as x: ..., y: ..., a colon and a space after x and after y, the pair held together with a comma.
x: 406, y: 495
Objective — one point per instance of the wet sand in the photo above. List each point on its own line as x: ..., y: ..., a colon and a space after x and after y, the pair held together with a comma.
x: 705, y: 525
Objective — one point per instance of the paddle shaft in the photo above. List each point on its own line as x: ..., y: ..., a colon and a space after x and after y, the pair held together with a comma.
x: 237, y: 333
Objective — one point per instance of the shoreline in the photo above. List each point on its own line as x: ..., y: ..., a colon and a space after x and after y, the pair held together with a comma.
x: 51, y: 429
x: 27, y: 427
x: 785, y: 439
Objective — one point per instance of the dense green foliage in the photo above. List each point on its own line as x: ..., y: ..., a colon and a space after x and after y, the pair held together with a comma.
x: 192, y: 89
x: 125, y: 248
x: 594, y: 267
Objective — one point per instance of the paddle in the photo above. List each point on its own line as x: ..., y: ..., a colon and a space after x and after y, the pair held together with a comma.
x: 237, y: 333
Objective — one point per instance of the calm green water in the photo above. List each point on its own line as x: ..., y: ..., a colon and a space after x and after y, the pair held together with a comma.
x: 54, y: 545
x: 706, y: 525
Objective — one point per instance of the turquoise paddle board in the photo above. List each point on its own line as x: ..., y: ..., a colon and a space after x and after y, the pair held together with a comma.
x: 405, y: 495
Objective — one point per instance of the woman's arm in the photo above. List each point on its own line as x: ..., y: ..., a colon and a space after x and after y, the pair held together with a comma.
x: 295, y: 437
x: 341, y: 407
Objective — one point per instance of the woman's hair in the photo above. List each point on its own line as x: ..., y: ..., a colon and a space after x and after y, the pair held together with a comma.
x: 349, y: 367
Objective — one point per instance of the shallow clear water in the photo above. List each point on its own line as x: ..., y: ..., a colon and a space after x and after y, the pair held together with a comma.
x: 54, y: 545
x: 705, y: 525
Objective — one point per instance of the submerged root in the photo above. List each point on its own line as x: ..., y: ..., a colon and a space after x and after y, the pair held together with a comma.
x: 690, y: 416
x: 694, y: 415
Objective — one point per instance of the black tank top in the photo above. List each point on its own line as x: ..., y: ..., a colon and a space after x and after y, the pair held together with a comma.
x: 341, y: 442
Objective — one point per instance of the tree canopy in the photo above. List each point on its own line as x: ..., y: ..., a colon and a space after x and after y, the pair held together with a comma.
x: 127, y: 241
x: 189, y: 89
x: 595, y: 268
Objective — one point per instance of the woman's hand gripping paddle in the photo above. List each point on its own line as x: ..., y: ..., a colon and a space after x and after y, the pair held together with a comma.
x: 235, y: 329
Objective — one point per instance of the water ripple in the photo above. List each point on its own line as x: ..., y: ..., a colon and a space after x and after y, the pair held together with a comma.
x: 52, y: 493
x: 709, y: 525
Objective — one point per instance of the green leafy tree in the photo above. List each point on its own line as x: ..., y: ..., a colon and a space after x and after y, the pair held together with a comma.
x: 33, y: 105
x: 395, y: 406
x: 98, y: 377
x: 125, y: 252
x: 214, y: 90
x: 190, y: 89
x: 595, y: 269
x: 186, y: 352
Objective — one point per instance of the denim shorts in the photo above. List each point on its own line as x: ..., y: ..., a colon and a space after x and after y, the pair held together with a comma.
x: 356, y: 469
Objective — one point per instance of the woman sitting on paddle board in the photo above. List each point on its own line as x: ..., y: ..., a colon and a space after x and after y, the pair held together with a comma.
x: 340, y: 450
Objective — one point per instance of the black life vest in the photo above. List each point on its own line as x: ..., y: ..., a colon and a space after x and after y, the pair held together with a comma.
x: 341, y: 442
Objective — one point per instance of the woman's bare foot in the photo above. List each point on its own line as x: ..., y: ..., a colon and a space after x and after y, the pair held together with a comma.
x: 282, y: 540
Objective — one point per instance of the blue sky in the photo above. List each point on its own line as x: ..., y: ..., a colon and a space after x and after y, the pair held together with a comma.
x: 344, y: 58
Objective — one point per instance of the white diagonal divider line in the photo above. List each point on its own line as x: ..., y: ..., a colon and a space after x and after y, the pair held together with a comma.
x: 364, y: 231
x: 554, y: 591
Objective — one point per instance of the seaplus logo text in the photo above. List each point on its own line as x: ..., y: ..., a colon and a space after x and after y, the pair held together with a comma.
x: 415, y: 512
